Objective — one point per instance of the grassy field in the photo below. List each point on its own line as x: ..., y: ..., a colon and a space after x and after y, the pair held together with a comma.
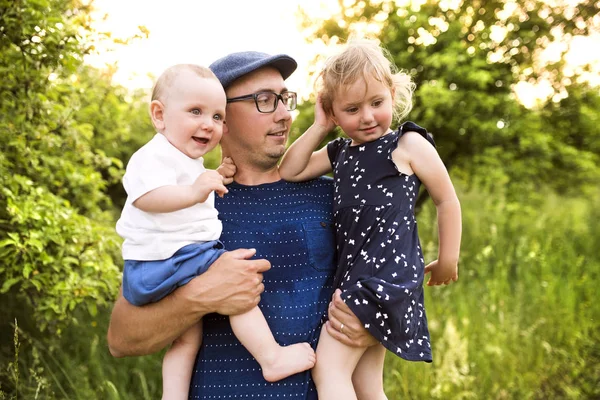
x: 523, y: 321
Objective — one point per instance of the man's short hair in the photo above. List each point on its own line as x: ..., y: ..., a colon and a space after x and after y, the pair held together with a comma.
x: 235, y: 65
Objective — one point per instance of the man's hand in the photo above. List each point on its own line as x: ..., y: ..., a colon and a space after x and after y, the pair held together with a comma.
x: 231, y: 285
x: 227, y: 169
x: 351, y: 333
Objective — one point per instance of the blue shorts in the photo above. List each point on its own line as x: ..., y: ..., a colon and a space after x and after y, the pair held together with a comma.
x: 149, y: 281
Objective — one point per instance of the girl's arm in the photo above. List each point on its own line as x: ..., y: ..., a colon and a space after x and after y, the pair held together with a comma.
x: 417, y: 154
x: 177, y: 197
x: 301, y: 162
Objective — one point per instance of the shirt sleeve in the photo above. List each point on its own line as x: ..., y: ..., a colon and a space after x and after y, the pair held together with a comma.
x: 145, y: 172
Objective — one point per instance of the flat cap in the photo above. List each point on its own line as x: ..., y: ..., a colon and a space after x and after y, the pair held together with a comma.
x: 236, y: 65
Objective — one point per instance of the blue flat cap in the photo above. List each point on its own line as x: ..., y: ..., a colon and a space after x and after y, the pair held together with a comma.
x: 236, y: 65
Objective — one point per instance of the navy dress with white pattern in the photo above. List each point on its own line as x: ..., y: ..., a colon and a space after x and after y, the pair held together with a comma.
x: 380, y: 262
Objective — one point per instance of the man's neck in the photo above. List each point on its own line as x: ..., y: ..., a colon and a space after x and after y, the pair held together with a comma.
x: 252, y: 175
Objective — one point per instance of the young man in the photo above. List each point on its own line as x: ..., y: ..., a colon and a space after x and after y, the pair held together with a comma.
x: 289, y: 224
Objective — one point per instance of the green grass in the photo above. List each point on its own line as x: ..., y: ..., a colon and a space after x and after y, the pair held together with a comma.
x: 522, y: 322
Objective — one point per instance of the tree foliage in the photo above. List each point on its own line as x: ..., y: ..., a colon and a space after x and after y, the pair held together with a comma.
x: 58, y: 248
x: 466, y: 58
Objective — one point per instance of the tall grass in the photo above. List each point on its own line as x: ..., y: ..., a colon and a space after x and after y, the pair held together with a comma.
x: 522, y: 322
x: 78, y: 366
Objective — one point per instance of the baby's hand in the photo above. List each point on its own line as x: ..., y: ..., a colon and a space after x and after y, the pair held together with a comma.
x: 206, y: 183
x: 441, y: 273
x: 227, y: 170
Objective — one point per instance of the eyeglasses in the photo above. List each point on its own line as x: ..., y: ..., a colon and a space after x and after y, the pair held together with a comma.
x: 266, y: 102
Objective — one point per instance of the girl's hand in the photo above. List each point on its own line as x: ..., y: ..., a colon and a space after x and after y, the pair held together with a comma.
x: 441, y: 273
x: 227, y: 170
x: 321, y: 117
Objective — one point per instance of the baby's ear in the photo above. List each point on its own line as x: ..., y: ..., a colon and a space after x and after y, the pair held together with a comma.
x: 157, y: 113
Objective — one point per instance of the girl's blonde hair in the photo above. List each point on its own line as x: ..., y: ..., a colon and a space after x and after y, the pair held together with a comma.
x: 361, y: 59
x: 166, y: 79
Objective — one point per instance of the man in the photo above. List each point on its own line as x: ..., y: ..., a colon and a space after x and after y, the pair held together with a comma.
x: 289, y: 224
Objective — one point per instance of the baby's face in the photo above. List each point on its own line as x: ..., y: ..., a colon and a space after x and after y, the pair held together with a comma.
x: 194, y: 114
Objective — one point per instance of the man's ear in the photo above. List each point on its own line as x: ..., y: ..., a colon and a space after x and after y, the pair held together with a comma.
x: 225, y: 128
x: 157, y: 113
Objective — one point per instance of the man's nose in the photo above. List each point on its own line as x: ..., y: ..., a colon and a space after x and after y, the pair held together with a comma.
x: 281, y: 112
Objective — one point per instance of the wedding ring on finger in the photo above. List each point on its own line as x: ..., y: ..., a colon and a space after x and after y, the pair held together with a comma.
x: 342, y: 328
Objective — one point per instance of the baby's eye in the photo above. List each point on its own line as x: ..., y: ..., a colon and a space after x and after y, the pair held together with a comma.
x: 352, y: 110
x: 377, y: 103
x: 218, y: 117
x: 195, y: 111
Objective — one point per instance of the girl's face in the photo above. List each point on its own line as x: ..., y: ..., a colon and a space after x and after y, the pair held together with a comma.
x: 364, y: 110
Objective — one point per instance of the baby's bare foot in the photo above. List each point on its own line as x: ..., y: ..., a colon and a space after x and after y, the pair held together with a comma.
x: 288, y: 360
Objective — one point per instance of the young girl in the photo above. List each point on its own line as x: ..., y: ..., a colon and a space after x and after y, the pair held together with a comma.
x: 170, y: 224
x: 377, y: 174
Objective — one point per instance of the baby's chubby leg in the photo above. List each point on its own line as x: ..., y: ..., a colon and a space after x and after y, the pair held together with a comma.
x: 277, y: 362
x: 368, y: 375
x: 335, y: 365
x: 179, y: 362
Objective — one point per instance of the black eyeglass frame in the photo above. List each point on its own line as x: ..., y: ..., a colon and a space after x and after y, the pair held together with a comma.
x: 278, y: 98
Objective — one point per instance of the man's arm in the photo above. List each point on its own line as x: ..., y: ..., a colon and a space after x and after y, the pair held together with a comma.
x: 232, y: 285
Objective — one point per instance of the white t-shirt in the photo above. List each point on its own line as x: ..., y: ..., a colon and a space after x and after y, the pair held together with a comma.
x: 157, y: 236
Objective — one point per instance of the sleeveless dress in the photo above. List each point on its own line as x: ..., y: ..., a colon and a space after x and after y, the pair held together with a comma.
x: 380, y: 262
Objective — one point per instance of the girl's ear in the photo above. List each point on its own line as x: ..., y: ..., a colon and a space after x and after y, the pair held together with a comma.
x: 157, y: 113
x: 333, y: 118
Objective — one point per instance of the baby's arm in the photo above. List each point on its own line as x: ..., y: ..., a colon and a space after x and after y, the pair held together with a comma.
x: 177, y: 197
x: 301, y: 162
x: 429, y: 168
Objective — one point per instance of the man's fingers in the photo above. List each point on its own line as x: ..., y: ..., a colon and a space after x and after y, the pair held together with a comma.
x: 242, y: 254
x: 337, y: 335
x: 339, y: 303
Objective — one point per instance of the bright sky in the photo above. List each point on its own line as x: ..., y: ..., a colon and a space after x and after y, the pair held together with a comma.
x: 201, y: 31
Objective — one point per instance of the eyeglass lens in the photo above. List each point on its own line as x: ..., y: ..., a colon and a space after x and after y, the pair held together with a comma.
x: 267, y: 101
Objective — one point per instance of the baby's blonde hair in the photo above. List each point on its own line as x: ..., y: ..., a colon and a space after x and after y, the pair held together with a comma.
x: 166, y: 79
x: 361, y: 59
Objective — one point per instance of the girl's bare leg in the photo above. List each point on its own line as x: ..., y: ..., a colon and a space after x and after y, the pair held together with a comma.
x: 277, y: 362
x: 368, y: 375
x: 179, y: 362
x: 335, y: 365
